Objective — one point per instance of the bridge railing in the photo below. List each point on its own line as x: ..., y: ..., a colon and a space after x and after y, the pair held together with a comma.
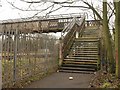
x: 92, y: 23
x: 69, y: 34
x: 51, y: 23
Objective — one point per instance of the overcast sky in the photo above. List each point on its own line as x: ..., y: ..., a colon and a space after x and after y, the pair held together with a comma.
x: 8, y: 12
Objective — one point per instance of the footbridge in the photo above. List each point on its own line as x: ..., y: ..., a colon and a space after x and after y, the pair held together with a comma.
x: 28, y: 54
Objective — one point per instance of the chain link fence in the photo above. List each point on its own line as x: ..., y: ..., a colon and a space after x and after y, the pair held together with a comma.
x: 27, y: 56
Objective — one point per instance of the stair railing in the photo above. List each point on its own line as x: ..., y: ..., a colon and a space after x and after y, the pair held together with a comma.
x: 93, y: 23
x: 68, y: 36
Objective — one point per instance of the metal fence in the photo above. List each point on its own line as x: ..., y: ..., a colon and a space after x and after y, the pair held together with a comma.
x: 0, y: 65
x: 26, y: 55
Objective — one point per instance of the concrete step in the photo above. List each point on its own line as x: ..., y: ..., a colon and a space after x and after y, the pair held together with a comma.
x: 94, y: 35
x: 83, y: 53
x: 87, y: 55
x: 80, y: 50
x: 85, y: 44
x: 74, y: 71
x: 87, y: 40
x: 83, y: 58
x: 91, y: 27
x: 73, y: 60
x: 77, y: 68
x: 84, y: 47
x: 80, y: 65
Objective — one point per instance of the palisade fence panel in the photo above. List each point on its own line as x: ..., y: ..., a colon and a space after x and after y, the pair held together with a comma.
x: 26, y: 55
x: 0, y: 62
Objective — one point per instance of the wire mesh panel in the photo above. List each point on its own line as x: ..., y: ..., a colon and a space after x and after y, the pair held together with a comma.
x: 26, y: 55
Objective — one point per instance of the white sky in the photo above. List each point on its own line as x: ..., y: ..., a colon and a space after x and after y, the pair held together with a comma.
x: 8, y: 12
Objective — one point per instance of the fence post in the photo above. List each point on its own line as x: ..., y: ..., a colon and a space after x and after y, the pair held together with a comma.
x: 15, y: 54
x: 46, y: 54
x: 99, y: 54
x: 1, y: 61
x: 60, y: 52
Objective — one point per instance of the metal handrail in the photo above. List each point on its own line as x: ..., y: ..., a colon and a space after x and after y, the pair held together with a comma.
x: 68, y: 34
x: 71, y: 24
x: 68, y: 27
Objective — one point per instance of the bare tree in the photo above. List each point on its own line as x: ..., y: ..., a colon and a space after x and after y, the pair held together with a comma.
x: 35, y: 6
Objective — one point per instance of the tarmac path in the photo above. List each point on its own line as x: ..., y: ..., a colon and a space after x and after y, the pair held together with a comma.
x: 61, y: 80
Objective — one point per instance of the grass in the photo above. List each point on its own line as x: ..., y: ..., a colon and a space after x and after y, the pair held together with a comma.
x: 26, y: 67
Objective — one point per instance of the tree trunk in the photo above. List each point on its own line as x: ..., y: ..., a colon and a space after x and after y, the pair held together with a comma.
x: 117, y: 38
x: 107, y: 39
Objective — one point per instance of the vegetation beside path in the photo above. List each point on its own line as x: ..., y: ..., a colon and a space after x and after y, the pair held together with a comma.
x: 102, y: 79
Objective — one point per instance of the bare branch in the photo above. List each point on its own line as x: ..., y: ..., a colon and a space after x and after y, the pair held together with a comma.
x: 75, y: 6
x: 112, y: 13
x: 27, y: 9
x: 43, y: 10
x: 93, y: 12
x: 33, y: 1
x: 68, y: 2
x: 20, y: 8
x: 53, y: 10
x: 92, y: 8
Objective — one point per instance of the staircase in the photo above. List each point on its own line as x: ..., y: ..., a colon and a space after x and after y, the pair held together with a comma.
x: 83, y: 56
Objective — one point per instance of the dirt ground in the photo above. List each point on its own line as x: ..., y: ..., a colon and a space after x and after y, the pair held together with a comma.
x: 61, y: 80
